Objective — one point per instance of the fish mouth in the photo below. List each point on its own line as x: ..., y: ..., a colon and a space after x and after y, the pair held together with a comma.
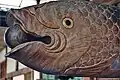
x: 17, y: 37
x: 16, y: 34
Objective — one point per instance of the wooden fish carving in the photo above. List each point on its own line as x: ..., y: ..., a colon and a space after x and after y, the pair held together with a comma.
x: 74, y: 38
x: 109, y: 2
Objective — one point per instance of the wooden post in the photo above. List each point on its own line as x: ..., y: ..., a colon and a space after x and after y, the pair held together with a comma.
x: 29, y: 76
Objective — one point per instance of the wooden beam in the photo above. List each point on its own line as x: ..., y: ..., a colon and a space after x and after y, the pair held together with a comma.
x: 19, y: 72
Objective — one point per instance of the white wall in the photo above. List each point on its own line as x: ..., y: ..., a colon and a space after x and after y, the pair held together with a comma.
x: 21, y: 77
x: 36, y: 75
x: 16, y: 3
x: 21, y: 66
x: 43, y: 1
x: 10, y: 65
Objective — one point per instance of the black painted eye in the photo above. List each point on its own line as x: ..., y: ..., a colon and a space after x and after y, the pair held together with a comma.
x: 68, y: 23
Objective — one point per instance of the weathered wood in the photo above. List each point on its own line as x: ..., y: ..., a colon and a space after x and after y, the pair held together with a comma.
x: 29, y: 76
x: 74, y: 38
x: 3, y: 69
x: 19, y: 72
x: 108, y: 2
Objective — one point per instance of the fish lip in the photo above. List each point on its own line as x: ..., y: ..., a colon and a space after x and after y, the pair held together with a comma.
x: 27, y: 59
x: 14, y: 50
x: 10, y: 36
x: 5, y: 36
x: 17, y: 18
x: 8, y: 15
x: 19, y: 47
x: 7, y: 54
x: 28, y: 38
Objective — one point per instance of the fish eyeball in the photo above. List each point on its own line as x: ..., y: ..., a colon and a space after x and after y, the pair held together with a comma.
x: 67, y: 23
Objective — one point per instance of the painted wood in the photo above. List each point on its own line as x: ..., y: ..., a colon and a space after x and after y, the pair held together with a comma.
x: 20, y: 77
x: 29, y: 76
x: 11, y: 65
x: 36, y: 75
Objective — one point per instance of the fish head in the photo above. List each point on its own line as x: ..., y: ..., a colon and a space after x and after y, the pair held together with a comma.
x: 49, y: 37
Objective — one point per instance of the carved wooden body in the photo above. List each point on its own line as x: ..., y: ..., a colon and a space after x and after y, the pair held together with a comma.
x: 109, y: 2
x: 66, y: 38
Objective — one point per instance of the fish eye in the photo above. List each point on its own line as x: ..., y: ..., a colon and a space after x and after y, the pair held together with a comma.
x: 67, y: 22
